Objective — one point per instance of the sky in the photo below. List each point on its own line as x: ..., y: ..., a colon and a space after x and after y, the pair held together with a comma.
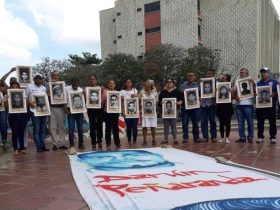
x: 32, y: 29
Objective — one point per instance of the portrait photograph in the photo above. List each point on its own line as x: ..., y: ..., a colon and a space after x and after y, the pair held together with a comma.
x: 77, y: 102
x: 93, y: 97
x: 169, y: 108
x: 263, y: 98
x: 131, y: 107
x: 2, y: 108
x: 42, y: 107
x: 244, y: 88
x: 57, y: 92
x: 191, y: 98
x: 149, y: 107
x: 223, y: 93
x: 17, y: 101
x: 207, y: 87
x: 113, y: 102
x: 24, y: 75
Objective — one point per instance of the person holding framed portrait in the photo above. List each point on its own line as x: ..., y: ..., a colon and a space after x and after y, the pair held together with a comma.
x: 244, y: 110
x: 96, y: 115
x: 39, y: 122
x: 149, y: 91
x: 208, y: 110
x: 131, y: 123
x: 75, y: 118
x: 170, y: 91
x: 224, y: 111
x: 269, y: 112
x: 188, y: 114
x: 111, y: 119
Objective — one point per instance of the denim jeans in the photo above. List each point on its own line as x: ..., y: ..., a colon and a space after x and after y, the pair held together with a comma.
x: 172, y: 123
x: 208, y: 112
x: 39, y: 130
x: 111, y: 125
x: 245, y: 112
x: 270, y: 114
x: 3, y: 125
x: 96, y: 117
x: 18, y: 123
x: 192, y: 114
x: 79, y: 119
x: 131, y: 127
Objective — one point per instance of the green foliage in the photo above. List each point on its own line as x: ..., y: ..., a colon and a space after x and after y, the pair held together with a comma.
x: 87, y: 59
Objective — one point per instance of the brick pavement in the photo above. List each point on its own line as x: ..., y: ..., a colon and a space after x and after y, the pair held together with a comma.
x: 44, y: 181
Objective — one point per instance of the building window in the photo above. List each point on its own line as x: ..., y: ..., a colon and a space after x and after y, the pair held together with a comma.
x: 140, y: 57
x: 153, y: 30
x: 118, y: 14
x: 119, y: 36
x: 114, y: 20
x: 198, y: 5
x: 140, y: 33
x: 152, y: 7
x: 139, y: 9
x: 115, y: 41
x: 199, y: 30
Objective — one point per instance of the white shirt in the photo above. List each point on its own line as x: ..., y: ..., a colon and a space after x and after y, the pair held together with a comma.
x: 70, y: 89
x: 128, y: 93
x: 32, y: 89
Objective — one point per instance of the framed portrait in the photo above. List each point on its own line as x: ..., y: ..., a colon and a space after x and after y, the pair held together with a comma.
x: 223, y: 93
x: 278, y: 91
x: 263, y: 98
x: 77, y: 102
x: 169, y: 108
x: 58, y: 92
x: 207, y: 87
x: 42, y: 107
x: 191, y: 98
x: 244, y: 88
x: 24, y: 75
x: 149, y: 107
x: 17, y: 101
x: 93, y: 97
x: 131, y: 107
x: 2, y: 108
x: 113, y: 102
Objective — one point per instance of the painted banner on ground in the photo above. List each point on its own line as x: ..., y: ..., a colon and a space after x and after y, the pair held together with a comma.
x: 167, y: 178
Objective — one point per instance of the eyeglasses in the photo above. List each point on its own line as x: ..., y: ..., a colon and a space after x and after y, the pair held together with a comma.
x: 169, y: 81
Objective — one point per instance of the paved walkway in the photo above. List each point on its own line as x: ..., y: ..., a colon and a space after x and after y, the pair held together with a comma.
x: 44, y: 181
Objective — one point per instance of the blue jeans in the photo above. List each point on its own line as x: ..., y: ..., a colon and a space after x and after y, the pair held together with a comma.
x: 245, y: 112
x: 192, y: 114
x: 3, y: 125
x: 39, y: 130
x: 208, y: 112
x: 131, y: 127
x: 79, y: 119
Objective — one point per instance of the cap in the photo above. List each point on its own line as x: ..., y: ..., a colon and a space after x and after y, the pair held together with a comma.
x: 265, y: 69
x: 38, y: 75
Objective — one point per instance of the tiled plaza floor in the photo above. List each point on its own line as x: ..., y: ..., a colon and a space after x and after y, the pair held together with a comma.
x: 44, y: 181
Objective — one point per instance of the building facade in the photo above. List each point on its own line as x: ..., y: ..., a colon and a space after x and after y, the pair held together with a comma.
x: 246, y: 31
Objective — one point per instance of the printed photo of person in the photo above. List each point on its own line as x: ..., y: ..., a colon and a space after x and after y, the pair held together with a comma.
x: 131, y: 107
x: 148, y: 107
x: 94, y: 97
x: 1, y: 102
x: 208, y: 89
x: 169, y: 110
x: 17, y: 100
x: 191, y: 98
x: 264, y: 96
x: 24, y: 75
x: 223, y: 92
x: 57, y: 92
x: 114, y: 101
x: 77, y: 101
x: 40, y: 104
x: 245, y: 89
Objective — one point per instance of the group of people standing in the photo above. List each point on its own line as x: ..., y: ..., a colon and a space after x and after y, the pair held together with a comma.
x: 207, y: 112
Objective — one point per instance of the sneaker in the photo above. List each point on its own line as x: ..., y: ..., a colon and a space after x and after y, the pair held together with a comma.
x: 164, y: 142
x: 260, y: 141
x: 227, y: 141
x: 273, y: 141
x: 222, y: 140
x: 72, y: 151
x: 55, y: 148
x: 39, y: 150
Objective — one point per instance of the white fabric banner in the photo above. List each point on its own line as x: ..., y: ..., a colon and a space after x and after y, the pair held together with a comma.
x: 167, y: 178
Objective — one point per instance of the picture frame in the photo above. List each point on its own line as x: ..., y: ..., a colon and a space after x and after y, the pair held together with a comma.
x: 24, y: 75
x: 263, y: 97
x: 278, y: 92
x: 191, y: 98
x: 17, y: 101
x: 149, y: 107
x: 223, y: 92
x: 244, y: 88
x: 77, y: 102
x: 57, y: 92
x: 131, y: 107
x: 207, y: 89
x: 169, y: 108
x: 114, y: 102
x: 93, y: 97
x: 42, y: 106
x: 2, y: 107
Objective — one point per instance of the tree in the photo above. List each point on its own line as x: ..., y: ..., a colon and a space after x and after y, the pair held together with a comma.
x: 163, y: 62
x: 201, y: 59
x: 48, y: 65
x: 87, y: 59
x: 120, y: 67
